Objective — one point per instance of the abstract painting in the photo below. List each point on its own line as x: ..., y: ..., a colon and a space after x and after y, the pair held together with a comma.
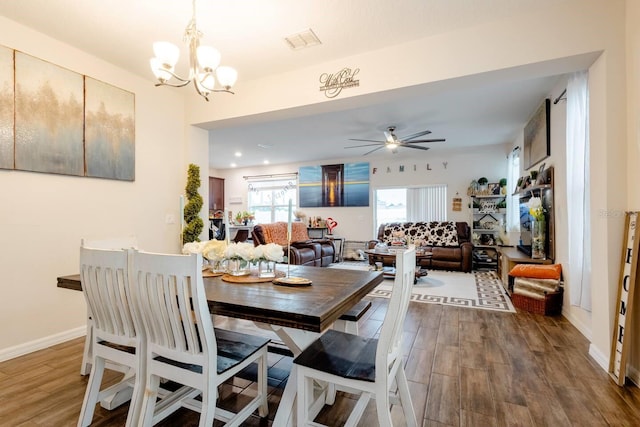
x: 109, y: 131
x: 6, y: 108
x: 48, y: 117
x: 334, y: 185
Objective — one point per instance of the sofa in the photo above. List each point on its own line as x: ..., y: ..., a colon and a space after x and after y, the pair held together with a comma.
x: 448, y: 241
x: 304, y: 251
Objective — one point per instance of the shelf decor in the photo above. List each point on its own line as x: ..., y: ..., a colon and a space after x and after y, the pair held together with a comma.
x: 538, y: 239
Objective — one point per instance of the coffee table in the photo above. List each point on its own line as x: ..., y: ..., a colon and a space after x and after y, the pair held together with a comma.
x: 389, y: 258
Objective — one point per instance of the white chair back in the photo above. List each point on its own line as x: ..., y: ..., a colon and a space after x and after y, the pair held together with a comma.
x: 173, y: 307
x: 389, y: 350
x: 104, y: 277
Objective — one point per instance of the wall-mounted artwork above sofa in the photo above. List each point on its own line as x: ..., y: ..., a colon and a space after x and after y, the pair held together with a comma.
x: 334, y: 185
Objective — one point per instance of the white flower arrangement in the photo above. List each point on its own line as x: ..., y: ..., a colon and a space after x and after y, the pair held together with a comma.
x: 241, y: 250
x: 269, y: 252
x: 536, y: 210
x: 193, y: 248
x: 213, y: 250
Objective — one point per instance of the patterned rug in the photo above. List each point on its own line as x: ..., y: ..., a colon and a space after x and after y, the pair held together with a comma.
x: 480, y: 289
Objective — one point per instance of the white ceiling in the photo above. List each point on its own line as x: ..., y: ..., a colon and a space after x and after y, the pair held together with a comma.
x: 250, y: 35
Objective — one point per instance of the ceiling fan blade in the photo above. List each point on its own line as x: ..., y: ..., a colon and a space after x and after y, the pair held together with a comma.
x: 413, y: 146
x: 417, y: 141
x: 375, y: 149
x: 416, y: 135
x: 365, y: 145
x: 367, y: 140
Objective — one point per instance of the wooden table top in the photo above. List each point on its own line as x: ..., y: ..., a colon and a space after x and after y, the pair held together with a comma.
x: 313, y: 308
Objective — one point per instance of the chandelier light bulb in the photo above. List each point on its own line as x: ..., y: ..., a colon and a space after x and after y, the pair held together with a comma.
x: 167, y: 53
x: 227, y: 76
x: 208, y: 58
x: 206, y: 82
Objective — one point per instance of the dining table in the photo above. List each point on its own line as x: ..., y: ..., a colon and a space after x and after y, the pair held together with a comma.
x: 298, y: 314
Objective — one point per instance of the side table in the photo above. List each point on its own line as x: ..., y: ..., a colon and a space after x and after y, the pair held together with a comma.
x: 338, y: 243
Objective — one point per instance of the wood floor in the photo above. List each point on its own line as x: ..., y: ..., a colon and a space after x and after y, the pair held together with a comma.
x: 466, y: 367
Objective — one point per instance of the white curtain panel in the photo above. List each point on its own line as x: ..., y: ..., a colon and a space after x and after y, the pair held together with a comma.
x: 578, y: 276
x: 513, y: 204
x: 427, y: 203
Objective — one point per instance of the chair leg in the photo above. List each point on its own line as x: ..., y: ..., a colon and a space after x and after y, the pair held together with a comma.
x: 305, y: 395
x: 208, y: 410
x: 147, y: 407
x: 91, y: 394
x: 405, y: 398
x: 85, y: 368
x: 263, y: 410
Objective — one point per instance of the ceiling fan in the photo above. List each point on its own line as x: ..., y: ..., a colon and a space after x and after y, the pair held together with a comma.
x: 393, y: 142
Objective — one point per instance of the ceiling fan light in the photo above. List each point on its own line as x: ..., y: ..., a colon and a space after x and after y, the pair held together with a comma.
x: 208, y: 57
x: 167, y: 53
x: 392, y: 145
x: 227, y: 76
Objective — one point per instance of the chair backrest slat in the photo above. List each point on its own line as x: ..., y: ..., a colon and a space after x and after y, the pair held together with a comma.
x: 390, y: 340
x: 104, y: 278
x: 170, y: 293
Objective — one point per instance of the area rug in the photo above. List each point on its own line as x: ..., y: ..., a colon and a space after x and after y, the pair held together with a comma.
x: 480, y: 289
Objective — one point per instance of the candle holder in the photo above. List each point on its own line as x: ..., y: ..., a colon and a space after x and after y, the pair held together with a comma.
x: 291, y: 280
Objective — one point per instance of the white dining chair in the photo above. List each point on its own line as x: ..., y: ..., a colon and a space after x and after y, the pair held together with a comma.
x: 106, y: 243
x: 369, y: 366
x: 182, y: 345
x: 114, y: 338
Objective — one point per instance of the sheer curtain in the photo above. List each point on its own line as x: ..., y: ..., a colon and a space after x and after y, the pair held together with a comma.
x: 513, y: 205
x: 427, y: 203
x: 579, y: 268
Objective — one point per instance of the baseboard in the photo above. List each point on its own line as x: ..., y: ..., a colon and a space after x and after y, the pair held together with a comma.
x: 584, y: 329
x: 600, y: 358
x: 42, y: 343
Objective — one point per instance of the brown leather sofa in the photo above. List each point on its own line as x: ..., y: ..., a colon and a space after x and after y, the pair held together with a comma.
x: 304, y: 251
x: 449, y: 242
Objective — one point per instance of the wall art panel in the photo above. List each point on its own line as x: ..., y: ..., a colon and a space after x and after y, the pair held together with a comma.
x: 48, y: 117
x: 109, y: 131
x: 334, y: 185
x: 6, y: 108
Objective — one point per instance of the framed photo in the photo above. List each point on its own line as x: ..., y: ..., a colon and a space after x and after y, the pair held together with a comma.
x: 494, y: 188
x: 537, y: 136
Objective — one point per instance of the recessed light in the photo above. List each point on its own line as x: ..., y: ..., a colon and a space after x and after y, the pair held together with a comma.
x: 233, y: 165
x: 266, y: 162
x: 238, y: 154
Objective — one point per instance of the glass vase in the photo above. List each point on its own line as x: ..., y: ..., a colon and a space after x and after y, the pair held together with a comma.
x: 238, y: 267
x: 217, y: 266
x: 538, y: 239
x: 266, y: 268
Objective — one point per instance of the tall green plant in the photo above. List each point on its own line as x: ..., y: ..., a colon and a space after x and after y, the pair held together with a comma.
x: 193, y: 222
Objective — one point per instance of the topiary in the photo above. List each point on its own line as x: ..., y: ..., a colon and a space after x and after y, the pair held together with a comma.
x: 193, y: 223
x: 503, y: 182
x: 483, y: 181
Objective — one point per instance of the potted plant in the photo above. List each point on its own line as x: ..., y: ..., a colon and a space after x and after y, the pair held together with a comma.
x: 483, y: 183
x: 193, y: 222
x: 503, y: 185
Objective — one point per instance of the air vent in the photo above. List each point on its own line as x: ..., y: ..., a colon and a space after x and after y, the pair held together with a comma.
x: 301, y: 40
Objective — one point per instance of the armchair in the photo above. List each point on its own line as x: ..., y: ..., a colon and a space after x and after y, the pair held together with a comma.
x: 304, y: 251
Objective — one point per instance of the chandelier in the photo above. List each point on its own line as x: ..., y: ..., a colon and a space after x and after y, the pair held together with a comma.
x: 203, y: 64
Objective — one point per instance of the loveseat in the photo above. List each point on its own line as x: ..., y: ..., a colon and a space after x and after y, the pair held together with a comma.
x: 304, y: 251
x: 448, y: 241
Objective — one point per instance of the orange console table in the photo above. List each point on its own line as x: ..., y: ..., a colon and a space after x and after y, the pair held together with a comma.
x: 509, y: 258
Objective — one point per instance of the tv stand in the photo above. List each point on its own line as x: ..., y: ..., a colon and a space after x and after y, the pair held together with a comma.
x: 509, y: 257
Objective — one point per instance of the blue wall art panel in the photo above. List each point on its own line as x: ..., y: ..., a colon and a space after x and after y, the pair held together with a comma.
x: 334, y: 185
x: 109, y: 131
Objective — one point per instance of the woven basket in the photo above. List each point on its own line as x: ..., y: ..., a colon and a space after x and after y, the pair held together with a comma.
x: 551, y: 304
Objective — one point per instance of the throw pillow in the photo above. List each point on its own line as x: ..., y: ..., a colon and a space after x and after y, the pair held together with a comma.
x: 537, y: 271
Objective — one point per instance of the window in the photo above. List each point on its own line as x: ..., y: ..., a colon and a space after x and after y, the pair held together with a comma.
x: 269, y: 198
x: 411, y: 204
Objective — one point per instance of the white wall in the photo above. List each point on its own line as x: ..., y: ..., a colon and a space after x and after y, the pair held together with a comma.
x: 44, y: 216
x: 538, y: 44
x: 357, y: 223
